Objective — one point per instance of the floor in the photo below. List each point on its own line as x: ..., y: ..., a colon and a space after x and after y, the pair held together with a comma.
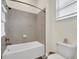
x: 45, y: 56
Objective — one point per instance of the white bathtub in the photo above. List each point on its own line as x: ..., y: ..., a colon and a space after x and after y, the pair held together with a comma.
x: 29, y: 50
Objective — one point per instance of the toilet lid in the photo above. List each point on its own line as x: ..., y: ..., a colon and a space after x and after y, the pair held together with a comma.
x: 55, y: 56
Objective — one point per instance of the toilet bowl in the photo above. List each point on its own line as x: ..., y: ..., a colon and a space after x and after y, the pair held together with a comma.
x: 64, y: 51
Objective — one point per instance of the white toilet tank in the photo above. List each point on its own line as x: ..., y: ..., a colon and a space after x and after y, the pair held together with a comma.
x: 66, y: 50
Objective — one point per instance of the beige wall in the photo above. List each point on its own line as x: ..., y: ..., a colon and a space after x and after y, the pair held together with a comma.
x: 40, y: 27
x: 50, y: 25
x: 19, y: 23
x: 67, y: 28
x: 42, y: 4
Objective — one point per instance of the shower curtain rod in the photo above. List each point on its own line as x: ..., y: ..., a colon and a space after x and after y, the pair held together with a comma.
x: 29, y: 5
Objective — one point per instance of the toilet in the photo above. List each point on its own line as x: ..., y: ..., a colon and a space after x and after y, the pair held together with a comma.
x: 64, y: 51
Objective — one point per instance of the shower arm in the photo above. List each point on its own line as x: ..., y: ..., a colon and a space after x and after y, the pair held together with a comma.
x: 29, y: 5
